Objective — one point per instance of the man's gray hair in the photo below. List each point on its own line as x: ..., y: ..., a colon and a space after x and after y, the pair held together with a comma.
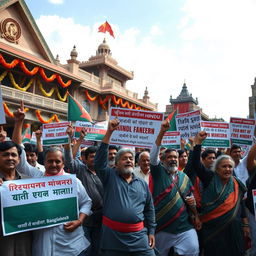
x: 167, y: 151
x: 53, y: 150
x: 123, y: 151
x: 143, y: 153
x: 220, y: 159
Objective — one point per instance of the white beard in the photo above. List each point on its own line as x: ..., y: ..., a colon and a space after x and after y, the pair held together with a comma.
x: 125, y: 171
x: 111, y: 163
x: 171, y: 169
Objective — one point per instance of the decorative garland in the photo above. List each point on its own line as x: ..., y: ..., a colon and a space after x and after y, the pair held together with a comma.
x: 8, y: 65
x: 26, y: 70
x: 89, y: 97
x: 46, y: 79
x: 38, y: 115
x: 3, y: 76
x: 116, y: 101
x: 49, y: 94
x: 34, y: 71
x: 8, y: 112
x: 60, y: 81
x: 46, y: 94
x: 24, y: 89
x: 64, y: 98
x: 50, y: 120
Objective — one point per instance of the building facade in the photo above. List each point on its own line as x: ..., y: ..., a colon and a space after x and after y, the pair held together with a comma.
x: 184, y: 103
x: 29, y: 72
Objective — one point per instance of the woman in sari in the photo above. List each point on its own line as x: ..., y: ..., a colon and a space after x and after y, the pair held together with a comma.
x: 222, y: 209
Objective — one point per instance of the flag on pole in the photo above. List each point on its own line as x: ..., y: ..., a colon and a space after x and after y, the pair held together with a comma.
x: 26, y: 134
x: 76, y: 111
x: 105, y: 27
x: 171, y: 117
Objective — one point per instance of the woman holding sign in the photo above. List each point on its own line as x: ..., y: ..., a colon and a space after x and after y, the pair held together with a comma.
x: 222, y: 210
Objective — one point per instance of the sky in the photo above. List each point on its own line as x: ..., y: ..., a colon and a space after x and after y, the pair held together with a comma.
x: 211, y: 45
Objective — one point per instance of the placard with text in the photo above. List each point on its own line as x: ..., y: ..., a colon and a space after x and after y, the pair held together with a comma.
x: 28, y: 204
x: 138, y: 128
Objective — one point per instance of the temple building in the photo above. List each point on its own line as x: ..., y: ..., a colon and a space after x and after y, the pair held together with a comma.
x: 29, y: 72
x: 252, y: 101
x: 184, y: 103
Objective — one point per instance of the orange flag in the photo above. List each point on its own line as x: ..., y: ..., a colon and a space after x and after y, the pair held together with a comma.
x: 105, y: 27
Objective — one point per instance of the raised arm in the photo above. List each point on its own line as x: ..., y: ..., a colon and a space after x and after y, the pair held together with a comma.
x: 3, y: 134
x: 204, y: 175
x: 164, y: 127
x: 40, y: 149
x: 154, y: 153
x: 78, y: 143
x: 74, y: 165
x: 19, y: 116
x: 189, y: 166
x: 101, y: 157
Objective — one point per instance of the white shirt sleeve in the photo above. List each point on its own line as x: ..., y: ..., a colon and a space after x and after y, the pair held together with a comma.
x: 25, y: 168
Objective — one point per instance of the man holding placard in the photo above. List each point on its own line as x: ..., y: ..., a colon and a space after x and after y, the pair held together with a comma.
x: 17, y: 244
x: 60, y: 240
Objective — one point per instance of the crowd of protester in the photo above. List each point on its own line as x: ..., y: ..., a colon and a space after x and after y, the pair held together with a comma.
x: 167, y: 202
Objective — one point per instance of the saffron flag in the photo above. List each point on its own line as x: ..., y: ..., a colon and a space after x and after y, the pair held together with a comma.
x: 26, y: 134
x: 76, y: 112
x: 171, y: 117
x: 105, y: 27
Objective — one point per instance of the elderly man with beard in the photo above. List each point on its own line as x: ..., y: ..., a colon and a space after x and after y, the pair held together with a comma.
x: 128, y: 211
x: 171, y: 187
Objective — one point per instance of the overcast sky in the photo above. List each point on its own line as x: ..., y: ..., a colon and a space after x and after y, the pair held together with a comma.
x: 209, y: 44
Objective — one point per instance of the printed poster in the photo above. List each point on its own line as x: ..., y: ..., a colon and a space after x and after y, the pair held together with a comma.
x: 29, y: 204
x: 138, y: 128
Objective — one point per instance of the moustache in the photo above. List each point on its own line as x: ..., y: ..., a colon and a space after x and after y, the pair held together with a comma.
x: 173, y: 162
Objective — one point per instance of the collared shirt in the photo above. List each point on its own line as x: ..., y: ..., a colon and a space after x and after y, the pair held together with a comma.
x: 139, y: 173
x: 241, y: 171
x: 55, y: 241
x: 124, y: 202
x: 17, y: 244
x: 92, y: 185
x: 40, y: 167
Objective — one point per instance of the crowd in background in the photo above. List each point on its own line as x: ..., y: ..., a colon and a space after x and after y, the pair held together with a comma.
x: 149, y: 202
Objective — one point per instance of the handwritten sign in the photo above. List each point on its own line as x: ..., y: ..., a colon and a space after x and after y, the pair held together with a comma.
x: 188, y: 124
x: 218, y: 135
x: 137, y: 128
x: 242, y: 131
x: 55, y: 133
x: 29, y: 204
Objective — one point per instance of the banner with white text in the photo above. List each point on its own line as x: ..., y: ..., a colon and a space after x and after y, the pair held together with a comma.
x: 55, y: 134
x: 171, y: 139
x: 28, y: 204
x: 242, y: 131
x: 138, y: 128
x: 188, y: 124
x: 218, y: 135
